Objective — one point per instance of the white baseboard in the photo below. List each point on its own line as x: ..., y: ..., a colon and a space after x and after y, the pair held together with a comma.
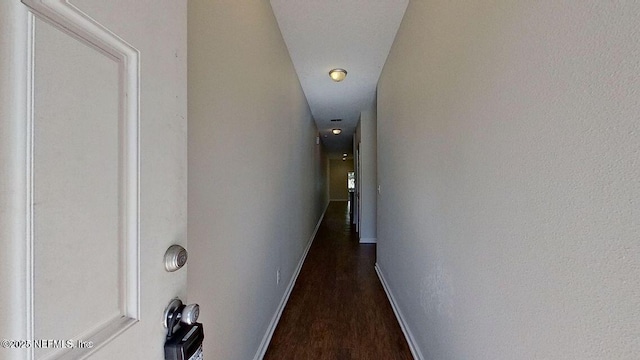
x: 413, y: 346
x: 262, y: 349
x: 368, y: 240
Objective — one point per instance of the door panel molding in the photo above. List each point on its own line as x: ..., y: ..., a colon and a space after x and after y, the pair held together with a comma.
x: 83, y: 28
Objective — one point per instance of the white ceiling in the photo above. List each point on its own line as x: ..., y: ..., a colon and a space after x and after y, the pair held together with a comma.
x: 354, y: 35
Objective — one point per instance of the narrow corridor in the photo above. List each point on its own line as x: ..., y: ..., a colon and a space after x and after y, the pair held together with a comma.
x: 338, y: 308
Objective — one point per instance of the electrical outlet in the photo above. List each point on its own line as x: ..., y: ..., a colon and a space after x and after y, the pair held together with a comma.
x: 278, y: 276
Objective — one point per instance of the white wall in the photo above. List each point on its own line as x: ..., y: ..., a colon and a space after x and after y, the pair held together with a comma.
x: 257, y: 179
x: 356, y: 144
x: 369, y: 176
x: 509, y: 139
x: 338, y: 176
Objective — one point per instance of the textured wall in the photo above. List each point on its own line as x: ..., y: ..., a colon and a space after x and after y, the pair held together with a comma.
x: 509, y: 139
x: 257, y: 180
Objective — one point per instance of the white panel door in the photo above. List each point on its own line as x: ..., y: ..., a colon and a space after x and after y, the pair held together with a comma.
x: 92, y: 175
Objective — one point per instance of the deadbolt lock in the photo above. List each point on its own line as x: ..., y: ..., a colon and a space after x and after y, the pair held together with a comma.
x: 175, y: 258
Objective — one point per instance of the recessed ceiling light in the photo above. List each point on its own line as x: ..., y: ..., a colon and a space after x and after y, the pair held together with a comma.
x: 345, y: 154
x: 336, y: 131
x: 338, y: 75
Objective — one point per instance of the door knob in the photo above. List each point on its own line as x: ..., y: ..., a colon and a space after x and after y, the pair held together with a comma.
x: 190, y: 314
x: 177, y: 312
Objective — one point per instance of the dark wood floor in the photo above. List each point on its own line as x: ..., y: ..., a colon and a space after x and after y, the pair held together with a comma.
x: 338, y: 308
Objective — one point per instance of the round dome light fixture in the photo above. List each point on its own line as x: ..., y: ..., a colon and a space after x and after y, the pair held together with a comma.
x: 338, y: 75
x: 336, y: 131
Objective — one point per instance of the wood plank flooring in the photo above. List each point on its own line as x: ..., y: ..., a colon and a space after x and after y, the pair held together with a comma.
x: 338, y: 309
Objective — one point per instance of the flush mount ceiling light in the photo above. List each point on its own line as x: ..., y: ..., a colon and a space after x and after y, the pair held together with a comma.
x: 338, y: 75
x: 336, y: 131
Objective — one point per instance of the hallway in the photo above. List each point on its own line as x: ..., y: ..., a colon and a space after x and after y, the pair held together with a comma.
x: 338, y: 308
